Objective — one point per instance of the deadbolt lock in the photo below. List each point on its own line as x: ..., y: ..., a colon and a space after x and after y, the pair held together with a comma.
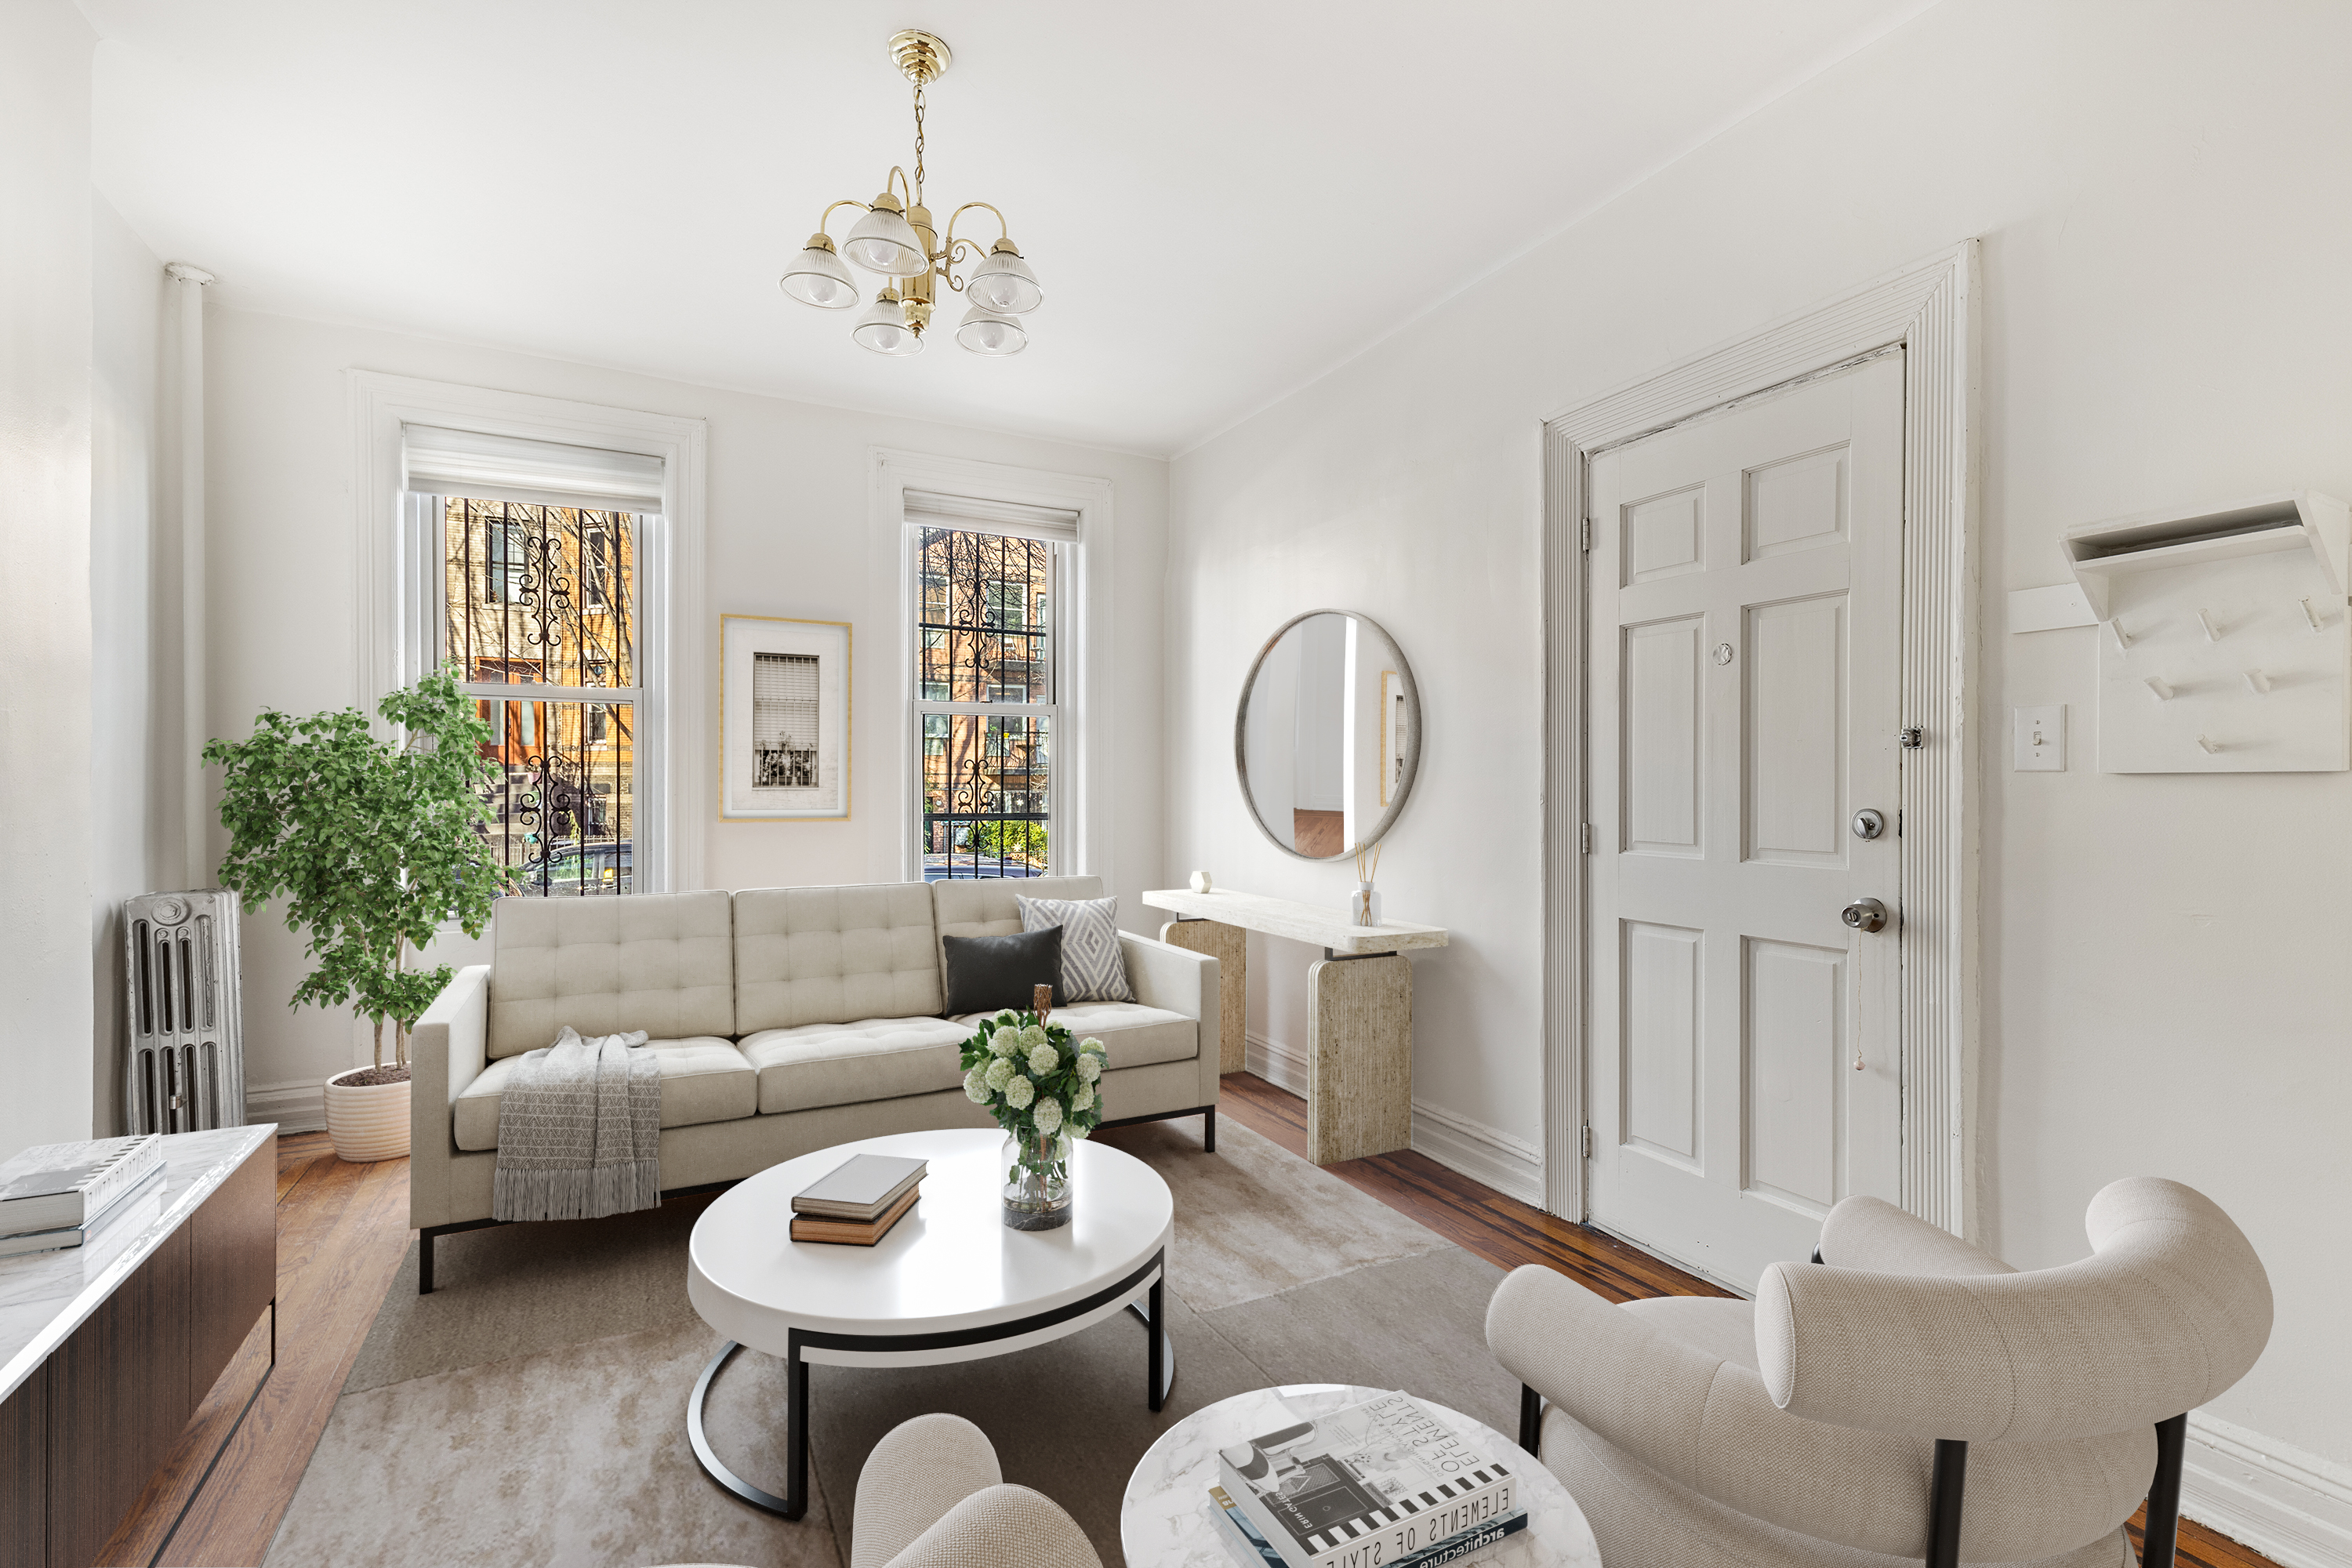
x: 1864, y: 914
x: 1869, y: 822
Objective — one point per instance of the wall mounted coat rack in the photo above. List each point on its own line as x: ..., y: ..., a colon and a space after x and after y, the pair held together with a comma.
x: 2227, y: 648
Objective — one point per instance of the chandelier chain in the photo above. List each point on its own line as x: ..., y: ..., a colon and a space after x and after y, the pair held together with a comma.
x: 919, y: 143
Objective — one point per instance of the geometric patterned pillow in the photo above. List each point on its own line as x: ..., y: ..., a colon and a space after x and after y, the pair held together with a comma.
x: 1093, y: 967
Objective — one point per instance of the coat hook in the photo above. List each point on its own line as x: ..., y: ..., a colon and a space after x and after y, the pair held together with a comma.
x: 2313, y: 616
x: 2163, y: 692
x: 2212, y: 632
x: 2258, y: 682
x: 2123, y: 640
x: 2210, y: 748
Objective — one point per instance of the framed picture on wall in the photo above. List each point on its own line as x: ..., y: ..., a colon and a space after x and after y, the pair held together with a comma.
x: 1395, y: 743
x: 783, y: 719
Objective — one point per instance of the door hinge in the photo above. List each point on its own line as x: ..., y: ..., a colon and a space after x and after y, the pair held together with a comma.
x: 1587, y: 533
x: 1588, y: 1140
x: 1585, y: 837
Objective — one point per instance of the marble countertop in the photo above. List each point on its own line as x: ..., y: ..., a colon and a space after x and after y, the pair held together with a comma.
x: 1166, y: 1520
x: 1300, y: 922
x: 46, y: 1296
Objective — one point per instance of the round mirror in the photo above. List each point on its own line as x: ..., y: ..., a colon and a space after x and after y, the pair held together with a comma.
x: 1328, y: 736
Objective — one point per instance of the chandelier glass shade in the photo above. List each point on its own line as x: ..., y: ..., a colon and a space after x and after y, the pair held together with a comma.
x: 818, y: 277
x: 896, y: 241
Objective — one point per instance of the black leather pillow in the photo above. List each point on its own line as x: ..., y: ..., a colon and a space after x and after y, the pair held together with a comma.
x: 989, y: 972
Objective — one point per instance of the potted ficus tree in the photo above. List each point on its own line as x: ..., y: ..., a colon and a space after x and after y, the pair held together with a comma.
x: 374, y: 844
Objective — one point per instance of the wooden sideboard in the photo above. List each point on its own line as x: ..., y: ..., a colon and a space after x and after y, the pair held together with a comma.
x: 106, y: 1350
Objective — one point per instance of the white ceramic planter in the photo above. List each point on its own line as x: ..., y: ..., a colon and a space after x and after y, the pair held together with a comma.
x: 367, y: 1121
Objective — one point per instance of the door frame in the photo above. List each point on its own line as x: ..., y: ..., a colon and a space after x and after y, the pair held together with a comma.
x: 1927, y: 309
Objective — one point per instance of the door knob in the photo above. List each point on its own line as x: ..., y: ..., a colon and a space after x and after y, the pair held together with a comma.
x: 1864, y: 914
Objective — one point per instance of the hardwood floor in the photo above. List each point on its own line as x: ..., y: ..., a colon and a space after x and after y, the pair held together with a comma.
x: 1508, y: 1233
x: 342, y: 1231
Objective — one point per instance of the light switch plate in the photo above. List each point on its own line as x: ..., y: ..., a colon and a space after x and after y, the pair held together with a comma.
x: 2040, y: 740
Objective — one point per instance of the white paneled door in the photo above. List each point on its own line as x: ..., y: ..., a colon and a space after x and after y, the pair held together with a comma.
x: 1743, y: 711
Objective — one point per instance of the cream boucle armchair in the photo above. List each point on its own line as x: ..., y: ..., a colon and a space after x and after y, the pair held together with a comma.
x: 1912, y: 1398
x: 930, y: 1496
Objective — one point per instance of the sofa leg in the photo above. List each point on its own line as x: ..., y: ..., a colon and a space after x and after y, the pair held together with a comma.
x: 424, y: 1263
x: 1208, y: 1130
x: 2163, y: 1532
x: 1945, y: 1488
x: 1531, y: 1421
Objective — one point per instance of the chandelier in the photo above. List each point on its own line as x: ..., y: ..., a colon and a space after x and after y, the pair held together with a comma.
x: 896, y: 241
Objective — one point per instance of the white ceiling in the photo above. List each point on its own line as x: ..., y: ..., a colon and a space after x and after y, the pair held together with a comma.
x: 1225, y: 198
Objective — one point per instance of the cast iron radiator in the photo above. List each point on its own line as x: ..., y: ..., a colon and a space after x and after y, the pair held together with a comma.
x: 186, y: 1067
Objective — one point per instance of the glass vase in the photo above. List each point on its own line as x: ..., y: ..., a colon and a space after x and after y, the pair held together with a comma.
x: 1037, y: 1181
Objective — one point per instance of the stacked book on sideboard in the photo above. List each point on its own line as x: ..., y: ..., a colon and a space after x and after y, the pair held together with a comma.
x: 62, y: 1194
x: 857, y: 1201
x: 1378, y: 1485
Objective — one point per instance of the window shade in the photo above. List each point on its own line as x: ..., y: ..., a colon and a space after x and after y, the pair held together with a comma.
x: 929, y: 509
x: 539, y: 473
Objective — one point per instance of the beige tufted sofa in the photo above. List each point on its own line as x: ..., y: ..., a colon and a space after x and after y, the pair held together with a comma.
x: 785, y: 1020
x: 1912, y: 1399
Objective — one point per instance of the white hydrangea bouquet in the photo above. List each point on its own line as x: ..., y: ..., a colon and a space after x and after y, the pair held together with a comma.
x: 1043, y: 1086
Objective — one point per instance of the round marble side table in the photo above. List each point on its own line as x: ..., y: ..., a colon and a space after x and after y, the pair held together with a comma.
x: 1167, y: 1519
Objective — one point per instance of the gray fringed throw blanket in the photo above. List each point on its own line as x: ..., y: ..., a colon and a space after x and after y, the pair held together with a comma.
x: 580, y: 1131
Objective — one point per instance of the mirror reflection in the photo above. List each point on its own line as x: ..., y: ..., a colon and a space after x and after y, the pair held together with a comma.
x: 1329, y: 734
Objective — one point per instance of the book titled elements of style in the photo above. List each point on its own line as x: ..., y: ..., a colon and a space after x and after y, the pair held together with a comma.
x: 57, y: 1194
x: 858, y: 1201
x: 1378, y: 1485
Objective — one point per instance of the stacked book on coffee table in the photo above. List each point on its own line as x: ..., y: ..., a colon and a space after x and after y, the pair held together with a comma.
x: 58, y: 1195
x: 857, y: 1201
x: 1378, y: 1485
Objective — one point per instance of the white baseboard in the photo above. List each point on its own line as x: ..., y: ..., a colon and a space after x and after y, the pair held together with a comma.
x: 1279, y: 1065
x: 2293, y: 1507
x: 1512, y: 1166
x: 1483, y: 1154
x: 297, y: 1105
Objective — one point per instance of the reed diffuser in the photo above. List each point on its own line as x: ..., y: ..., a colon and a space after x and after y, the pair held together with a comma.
x: 1364, y: 903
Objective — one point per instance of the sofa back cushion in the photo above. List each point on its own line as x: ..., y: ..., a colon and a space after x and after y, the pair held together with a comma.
x: 835, y: 955
x: 662, y: 962
x: 990, y: 905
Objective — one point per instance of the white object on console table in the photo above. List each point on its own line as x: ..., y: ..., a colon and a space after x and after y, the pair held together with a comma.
x: 46, y: 1296
x: 1300, y: 922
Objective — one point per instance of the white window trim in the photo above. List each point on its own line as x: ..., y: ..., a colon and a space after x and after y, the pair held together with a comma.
x: 1079, y: 787
x: 395, y: 633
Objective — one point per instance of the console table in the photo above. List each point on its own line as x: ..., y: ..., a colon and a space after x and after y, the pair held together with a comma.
x: 107, y: 1349
x: 1359, y: 1037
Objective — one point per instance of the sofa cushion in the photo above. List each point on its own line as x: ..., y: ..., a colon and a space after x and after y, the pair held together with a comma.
x: 990, y: 905
x: 702, y: 1079
x: 1710, y: 1324
x: 834, y: 955
x: 1094, y: 964
x: 848, y: 1064
x: 988, y: 973
x: 662, y: 962
x: 1136, y: 1036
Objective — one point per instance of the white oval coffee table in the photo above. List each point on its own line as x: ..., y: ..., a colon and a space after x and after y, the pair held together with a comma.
x: 950, y: 1282
x: 1167, y: 1518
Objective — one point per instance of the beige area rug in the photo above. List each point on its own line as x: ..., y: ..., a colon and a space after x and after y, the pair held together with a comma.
x: 532, y: 1409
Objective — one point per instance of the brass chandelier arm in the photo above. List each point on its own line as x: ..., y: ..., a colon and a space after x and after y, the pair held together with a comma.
x: 900, y: 174
x: 947, y: 257
x: 836, y: 206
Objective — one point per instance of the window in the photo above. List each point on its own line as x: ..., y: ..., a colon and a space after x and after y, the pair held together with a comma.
x: 549, y: 652
x: 985, y: 702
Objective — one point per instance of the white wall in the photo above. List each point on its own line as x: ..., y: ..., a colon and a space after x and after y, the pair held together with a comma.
x: 45, y: 650
x: 2160, y: 188
x: 788, y: 535
x: 135, y: 842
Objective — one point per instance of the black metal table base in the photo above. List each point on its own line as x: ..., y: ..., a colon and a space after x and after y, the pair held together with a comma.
x: 1160, y: 1376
